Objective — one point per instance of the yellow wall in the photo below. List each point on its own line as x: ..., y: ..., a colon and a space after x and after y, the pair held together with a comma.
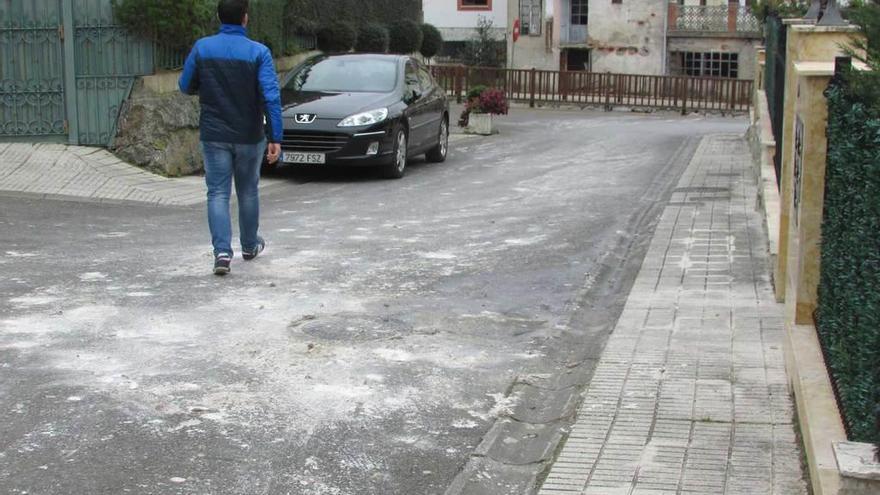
x: 806, y: 42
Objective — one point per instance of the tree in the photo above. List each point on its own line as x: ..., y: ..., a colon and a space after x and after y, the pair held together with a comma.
x: 782, y: 8
x: 484, y: 49
x: 432, y: 41
x: 866, y: 15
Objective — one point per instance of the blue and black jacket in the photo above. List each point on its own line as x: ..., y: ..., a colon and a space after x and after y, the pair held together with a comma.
x: 235, y: 79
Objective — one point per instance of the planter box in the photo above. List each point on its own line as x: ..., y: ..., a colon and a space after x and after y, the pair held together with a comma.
x: 480, y: 123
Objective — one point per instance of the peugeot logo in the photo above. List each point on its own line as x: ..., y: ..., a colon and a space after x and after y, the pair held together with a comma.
x: 305, y: 118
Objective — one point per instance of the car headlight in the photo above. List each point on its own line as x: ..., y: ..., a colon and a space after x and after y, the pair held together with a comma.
x: 366, y: 118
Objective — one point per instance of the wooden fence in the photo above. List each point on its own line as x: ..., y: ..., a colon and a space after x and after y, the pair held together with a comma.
x: 608, y: 90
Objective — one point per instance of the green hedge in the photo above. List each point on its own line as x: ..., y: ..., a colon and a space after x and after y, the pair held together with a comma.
x: 848, y: 318
x: 173, y: 23
x: 310, y: 15
x: 266, y: 25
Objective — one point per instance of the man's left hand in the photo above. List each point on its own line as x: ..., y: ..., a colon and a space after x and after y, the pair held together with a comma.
x: 274, y: 152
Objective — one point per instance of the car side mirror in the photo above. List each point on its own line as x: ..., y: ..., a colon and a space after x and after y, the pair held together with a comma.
x: 412, y: 96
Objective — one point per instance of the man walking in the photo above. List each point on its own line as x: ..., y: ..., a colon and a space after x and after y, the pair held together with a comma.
x: 238, y: 91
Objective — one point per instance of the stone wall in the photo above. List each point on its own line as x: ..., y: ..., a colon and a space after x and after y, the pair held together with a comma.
x: 160, y: 132
x: 158, y: 128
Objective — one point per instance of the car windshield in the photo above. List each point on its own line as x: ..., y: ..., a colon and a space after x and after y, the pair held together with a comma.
x: 345, y: 75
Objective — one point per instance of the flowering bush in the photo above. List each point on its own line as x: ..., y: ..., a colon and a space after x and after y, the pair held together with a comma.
x: 493, y: 101
x: 484, y: 100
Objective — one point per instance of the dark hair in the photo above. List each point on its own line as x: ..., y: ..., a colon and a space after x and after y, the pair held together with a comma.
x: 232, y: 11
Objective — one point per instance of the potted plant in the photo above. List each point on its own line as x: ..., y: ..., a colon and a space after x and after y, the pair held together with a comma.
x: 483, y: 103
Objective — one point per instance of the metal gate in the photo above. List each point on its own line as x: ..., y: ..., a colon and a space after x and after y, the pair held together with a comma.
x: 106, y: 63
x: 66, y: 69
x: 774, y: 82
x: 31, y: 69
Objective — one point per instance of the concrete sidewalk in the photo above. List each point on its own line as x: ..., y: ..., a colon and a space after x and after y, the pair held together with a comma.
x: 690, y: 394
x: 57, y: 171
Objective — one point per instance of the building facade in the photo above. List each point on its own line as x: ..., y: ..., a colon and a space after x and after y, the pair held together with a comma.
x: 712, y: 38
x: 538, y: 44
x: 457, y: 21
x: 625, y: 37
x: 717, y: 40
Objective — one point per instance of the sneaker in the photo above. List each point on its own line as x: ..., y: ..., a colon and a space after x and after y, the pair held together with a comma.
x: 221, y: 264
x: 249, y: 255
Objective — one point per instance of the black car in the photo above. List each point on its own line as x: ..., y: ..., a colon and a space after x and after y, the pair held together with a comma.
x: 363, y: 110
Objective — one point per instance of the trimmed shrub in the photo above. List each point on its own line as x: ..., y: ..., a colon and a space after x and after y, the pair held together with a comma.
x: 432, y: 41
x: 372, y: 38
x: 405, y: 37
x: 338, y: 37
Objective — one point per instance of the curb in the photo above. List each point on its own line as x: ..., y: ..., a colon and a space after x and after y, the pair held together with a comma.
x: 817, y: 414
x: 86, y: 200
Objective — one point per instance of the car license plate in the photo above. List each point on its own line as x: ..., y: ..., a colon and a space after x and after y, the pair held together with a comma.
x: 296, y: 157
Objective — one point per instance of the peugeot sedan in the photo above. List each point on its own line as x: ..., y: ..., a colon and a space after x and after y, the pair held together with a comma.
x: 363, y: 110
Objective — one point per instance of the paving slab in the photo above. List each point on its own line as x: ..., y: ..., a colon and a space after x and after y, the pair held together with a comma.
x: 689, y: 395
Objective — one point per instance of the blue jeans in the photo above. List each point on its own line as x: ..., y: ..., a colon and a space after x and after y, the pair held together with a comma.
x: 223, y: 161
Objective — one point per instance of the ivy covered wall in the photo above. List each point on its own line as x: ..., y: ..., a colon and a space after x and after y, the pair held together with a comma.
x: 848, y: 318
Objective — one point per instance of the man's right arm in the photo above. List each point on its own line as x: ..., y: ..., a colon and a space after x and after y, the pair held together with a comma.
x: 189, y: 80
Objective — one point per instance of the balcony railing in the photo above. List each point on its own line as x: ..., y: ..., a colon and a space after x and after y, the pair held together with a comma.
x: 702, y: 18
x: 712, y: 19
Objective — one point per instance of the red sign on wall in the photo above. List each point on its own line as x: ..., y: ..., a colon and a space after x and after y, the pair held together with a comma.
x: 516, y: 29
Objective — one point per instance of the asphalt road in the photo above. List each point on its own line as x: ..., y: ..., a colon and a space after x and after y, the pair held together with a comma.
x: 367, y: 352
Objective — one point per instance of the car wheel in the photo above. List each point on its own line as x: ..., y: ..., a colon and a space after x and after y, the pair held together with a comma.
x: 438, y: 153
x: 397, y: 168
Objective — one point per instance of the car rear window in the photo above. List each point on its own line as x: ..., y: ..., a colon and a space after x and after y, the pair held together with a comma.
x: 345, y: 75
